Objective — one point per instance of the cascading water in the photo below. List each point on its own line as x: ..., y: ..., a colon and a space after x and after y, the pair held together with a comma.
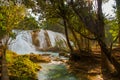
x: 22, y: 43
x: 27, y: 42
x: 57, y: 37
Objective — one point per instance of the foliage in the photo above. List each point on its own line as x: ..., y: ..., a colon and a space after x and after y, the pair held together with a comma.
x: 21, y: 67
x: 28, y: 23
x: 28, y: 3
x: 60, y: 44
x: 11, y: 56
x: 52, y: 15
x: 73, y: 41
x: 53, y: 24
x: 10, y: 16
x: 118, y: 11
x: 112, y: 29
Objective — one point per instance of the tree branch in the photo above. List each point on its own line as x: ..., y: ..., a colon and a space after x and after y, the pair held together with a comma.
x: 112, y: 43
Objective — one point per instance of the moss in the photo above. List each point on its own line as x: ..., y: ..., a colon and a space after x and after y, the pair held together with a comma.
x: 21, y: 67
x: 11, y: 56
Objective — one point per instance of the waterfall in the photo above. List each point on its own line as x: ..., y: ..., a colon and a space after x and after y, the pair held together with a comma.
x: 56, y: 37
x: 28, y: 41
x: 22, y: 43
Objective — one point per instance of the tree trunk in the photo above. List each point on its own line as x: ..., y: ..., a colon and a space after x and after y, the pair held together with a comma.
x: 4, y: 73
x: 75, y: 37
x: 82, y: 42
x: 107, y: 59
x: 105, y: 64
x: 118, y: 16
x: 72, y: 54
x: 88, y: 45
x: 112, y: 60
x: 119, y: 36
x: 66, y: 34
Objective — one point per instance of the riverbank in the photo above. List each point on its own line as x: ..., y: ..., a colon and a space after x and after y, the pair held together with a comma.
x: 22, y: 67
x: 49, y: 66
x: 26, y: 67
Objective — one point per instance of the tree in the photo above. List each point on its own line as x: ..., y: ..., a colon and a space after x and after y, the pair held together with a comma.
x: 56, y: 9
x: 10, y: 16
x: 95, y: 24
x: 28, y: 23
x: 52, y: 9
x: 118, y: 15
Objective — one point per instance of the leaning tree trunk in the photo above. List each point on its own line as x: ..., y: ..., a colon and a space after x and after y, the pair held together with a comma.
x: 74, y: 35
x: 66, y: 34
x: 107, y: 53
x: 76, y: 39
x: 118, y: 16
x: 105, y: 64
x: 73, y: 55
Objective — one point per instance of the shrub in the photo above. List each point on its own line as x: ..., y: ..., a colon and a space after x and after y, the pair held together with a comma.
x: 10, y: 56
x: 23, y: 69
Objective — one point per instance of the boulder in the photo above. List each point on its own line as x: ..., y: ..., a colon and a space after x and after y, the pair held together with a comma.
x: 64, y: 54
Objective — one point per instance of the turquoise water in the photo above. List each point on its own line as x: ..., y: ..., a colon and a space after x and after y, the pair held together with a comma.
x: 55, y: 71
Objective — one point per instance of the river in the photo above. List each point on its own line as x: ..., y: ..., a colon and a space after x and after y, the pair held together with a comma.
x: 55, y: 70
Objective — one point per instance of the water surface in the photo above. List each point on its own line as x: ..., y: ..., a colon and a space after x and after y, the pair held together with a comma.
x: 55, y: 71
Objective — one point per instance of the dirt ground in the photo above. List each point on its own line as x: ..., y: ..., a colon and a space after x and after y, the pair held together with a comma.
x: 89, y: 67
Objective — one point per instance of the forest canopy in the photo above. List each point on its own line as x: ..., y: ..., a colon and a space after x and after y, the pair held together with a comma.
x: 81, y: 21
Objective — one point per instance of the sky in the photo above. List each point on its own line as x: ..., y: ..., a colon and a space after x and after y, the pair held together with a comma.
x: 108, y: 9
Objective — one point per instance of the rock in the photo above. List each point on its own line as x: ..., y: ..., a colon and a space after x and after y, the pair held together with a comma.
x: 45, y: 54
x: 45, y: 59
x: 35, y: 38
x: 56, y: 59
x: 64, y: 54
x: 40, y: 57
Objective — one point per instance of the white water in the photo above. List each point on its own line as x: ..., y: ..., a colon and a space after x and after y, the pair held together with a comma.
x: 41, y: 38
x: 54, y: 35
x: 23, y: 42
